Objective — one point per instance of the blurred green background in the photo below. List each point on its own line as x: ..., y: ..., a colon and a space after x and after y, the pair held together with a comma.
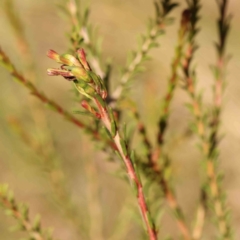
x: 104, y: 201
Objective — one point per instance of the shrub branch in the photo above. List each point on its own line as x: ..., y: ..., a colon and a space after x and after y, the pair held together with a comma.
x: 164, y: 118
x: 80, y: 34
x: 5, y: 61
x: 20, y: 213
x: 157, y: 28
x: 209, y: 144
x: 91, y: 86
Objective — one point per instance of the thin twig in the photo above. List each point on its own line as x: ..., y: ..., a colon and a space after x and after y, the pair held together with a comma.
x: 143, y: 132
x: 169, y: 193
x: 220, y: 206
x: 20, y: 213
x: 128, y: 72
x: 80, y: 27
x: 131, y: 171
x: 146, y: 46
x: 157, y: 28
x: 164, y: 118
x: 195, y: 104
x: 92, y: 87
x: 209, y: 144
x: 5, y: 61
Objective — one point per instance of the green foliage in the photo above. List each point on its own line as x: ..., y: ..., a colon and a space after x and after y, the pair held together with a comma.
x: 21, y: 213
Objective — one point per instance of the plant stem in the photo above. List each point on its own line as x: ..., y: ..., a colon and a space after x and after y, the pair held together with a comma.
x: 80, y: 25
x: 54, y: 106
x: 209, y: 144
x: 164, y: 118
x: 21, y: 214
x: 131, y: 171
x: 34, y: 91
x: 220, y: 206
x: 143, y: 132
x: 163, y: 8
x: 129, y: 70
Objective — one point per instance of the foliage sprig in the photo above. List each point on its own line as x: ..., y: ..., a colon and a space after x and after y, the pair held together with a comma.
x: 21, y: 213
x: 78, y: 70
x: 172, y: 82
x: 209, y: 142
x: 82, y: 33
x: 156, y: 28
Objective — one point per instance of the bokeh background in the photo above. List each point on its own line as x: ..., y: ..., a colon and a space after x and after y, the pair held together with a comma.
x: 104, y: 200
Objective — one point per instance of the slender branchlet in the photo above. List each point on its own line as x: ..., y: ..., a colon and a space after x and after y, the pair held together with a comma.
x: 21, y: 213
x: 54, y: 106
x: 156, y: 28
x: 8, y: 65
x: 156, y: 171
x: 215, y: 184
x: 196, y: 104
x: 80, y: 36
x: 91, y: 86
x: 143, y: 132
x: 172, y: 82
x: 189, y: 75
x: 223, y: 27
x: 103, y: 112
x: 152, y: 170
x: 209, y: 143
x: 162, y: 11
x: 81, y: 33
x: 149, y: 41
x: 169, y: 193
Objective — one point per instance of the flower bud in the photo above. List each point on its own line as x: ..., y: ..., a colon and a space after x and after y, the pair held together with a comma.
x: 82, y: 58
x: 87, y: 106
x: 53, y: 55
x: 81, y: 74
x: 89, y: 90
x: 59, y: 72
x: 85, y: 89
x: 69, y: 60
